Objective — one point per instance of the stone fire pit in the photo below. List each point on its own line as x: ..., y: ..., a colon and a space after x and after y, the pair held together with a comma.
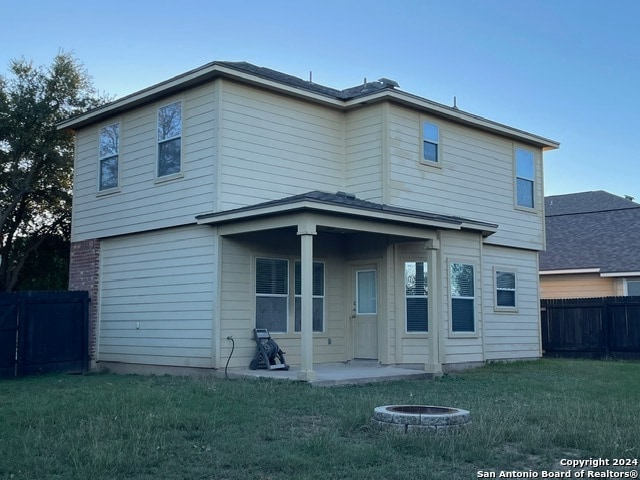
x: 421, y: 419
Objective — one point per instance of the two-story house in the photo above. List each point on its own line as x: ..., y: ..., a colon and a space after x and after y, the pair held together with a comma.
x: 361, y: 223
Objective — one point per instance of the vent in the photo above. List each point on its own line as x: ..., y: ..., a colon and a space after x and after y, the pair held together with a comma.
x: 387, y: 82
x: 351, y: 196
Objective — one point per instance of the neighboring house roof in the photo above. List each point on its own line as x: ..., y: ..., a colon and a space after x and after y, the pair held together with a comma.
x: 346, y: 204
x: 595, y: 231
x: 367, y: 92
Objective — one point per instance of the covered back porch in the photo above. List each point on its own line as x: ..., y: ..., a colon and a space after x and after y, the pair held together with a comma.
x: 351, y: 244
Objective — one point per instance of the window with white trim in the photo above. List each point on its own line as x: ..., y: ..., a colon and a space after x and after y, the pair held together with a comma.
x: 462, y: 298
x: 633, y: 288
x: 108, y: 157
x: 505, y: 289
x: 272, y: 294
x: 430, y: 142
x: 525, y: 178
x: 169, y: 139
x: 416, y: 297
x: 318, y: 296
x: 366, y: 292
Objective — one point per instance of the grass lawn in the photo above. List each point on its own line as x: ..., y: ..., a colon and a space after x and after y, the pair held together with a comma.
x: 526, y: 416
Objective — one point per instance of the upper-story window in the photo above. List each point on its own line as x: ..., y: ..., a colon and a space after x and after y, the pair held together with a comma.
x: 430, y: 142
x: 525, y: 178
x: 109, y: 153
x: 169, y: 139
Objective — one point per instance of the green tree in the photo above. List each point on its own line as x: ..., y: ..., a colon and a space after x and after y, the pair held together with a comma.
x: 36, y: 163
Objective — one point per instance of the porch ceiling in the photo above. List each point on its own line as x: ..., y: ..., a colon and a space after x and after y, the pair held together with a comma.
x: 340, y: 213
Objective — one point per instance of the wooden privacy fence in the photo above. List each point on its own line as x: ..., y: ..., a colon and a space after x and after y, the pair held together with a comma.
x: 43, y: 332
x: 594, y: 327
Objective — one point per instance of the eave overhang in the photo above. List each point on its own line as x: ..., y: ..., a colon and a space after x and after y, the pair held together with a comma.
x: 216, y: 70
x: 569, y: 271
x: 620, y: 274
x: 388, y: 220
x: 576, y: 271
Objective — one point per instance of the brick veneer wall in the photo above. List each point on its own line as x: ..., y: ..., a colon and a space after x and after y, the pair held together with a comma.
x: 84, y: 271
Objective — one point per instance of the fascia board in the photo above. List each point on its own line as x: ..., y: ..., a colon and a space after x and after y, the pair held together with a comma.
x: 213, y: 70
x: 620, y: 274
x: 319, y: 219
x: 141, y: 97
x: 332, y: 209
x: 249, y: 78
x: 486, y: 229
x: 453, y: 114
x: 181, y: 82
x: 569, y: 271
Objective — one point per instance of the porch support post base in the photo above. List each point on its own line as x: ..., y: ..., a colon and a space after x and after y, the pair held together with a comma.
x: 434, y: 369
x: 306, y: 375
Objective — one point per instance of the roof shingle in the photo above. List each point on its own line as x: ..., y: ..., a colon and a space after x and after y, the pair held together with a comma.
x: 592, y: 230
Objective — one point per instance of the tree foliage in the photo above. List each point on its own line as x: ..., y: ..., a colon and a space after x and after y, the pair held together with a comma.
x: 36, y: 159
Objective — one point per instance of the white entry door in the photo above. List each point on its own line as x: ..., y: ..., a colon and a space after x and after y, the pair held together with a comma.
x: 365, y: 312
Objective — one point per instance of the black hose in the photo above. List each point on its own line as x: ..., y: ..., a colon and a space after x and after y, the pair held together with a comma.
x: 233, y: 346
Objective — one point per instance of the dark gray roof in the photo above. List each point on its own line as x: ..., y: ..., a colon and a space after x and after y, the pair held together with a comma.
x: 365, y: 88
x: 592, y: 230
x: 383, y: 89
x: 342, y: 199
x: 584, y: 202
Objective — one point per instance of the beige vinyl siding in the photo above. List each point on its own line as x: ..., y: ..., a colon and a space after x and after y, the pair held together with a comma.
x: 582, y: 285
x: 475, y: 178
x: 515, y: 334
x: 142, y: 203
x: 273, y: 147
x: 157, y: 298
x: 237, y: 298
x: 364, y: 153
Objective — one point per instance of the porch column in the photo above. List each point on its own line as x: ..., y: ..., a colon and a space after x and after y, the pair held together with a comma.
x: 306, y: 231
x: 434, y: 365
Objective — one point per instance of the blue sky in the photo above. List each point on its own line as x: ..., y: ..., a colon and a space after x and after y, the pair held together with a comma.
x: 568, y: 70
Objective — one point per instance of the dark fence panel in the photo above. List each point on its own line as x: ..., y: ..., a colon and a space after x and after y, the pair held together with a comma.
x: 8, y: 334
x: 52, y: 332
x: 595, y: 327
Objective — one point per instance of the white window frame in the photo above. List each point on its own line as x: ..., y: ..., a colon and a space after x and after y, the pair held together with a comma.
x: 437, y: 142
x: 272, y: 295
x: 406, y: 297
x: 160, y: 141
x: 518, y: 176
x: 315, y: 297
x: 626, y: 284
x: 375, y: 277
x: 496, y: 288
x: 102, y: 158
x: 466, y: 333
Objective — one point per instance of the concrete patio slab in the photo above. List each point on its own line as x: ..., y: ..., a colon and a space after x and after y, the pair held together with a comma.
x: 334, y: 374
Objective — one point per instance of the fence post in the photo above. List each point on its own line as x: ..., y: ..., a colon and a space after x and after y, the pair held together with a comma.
x: 606, y: 324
